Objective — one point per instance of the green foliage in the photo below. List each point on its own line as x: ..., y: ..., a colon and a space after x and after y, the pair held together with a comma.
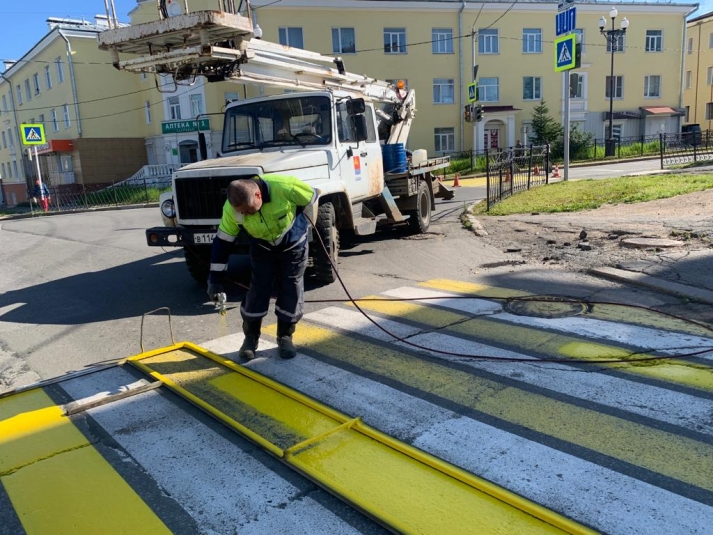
x: 580, y: 144
x: 544, y: 127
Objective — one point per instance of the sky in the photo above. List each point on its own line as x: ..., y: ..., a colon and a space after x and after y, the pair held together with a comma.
x: 23, y: 23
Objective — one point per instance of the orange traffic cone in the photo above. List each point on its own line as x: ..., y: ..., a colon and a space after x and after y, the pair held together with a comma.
x: 556, y: 172
x: 456, y: 181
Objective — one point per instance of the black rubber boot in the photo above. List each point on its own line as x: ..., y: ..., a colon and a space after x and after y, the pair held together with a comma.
x: 284, y: 340
x: 251, y: 329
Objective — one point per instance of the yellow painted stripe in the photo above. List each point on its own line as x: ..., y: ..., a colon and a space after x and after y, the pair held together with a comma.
x: 606, y: 312
x: 57, y: 482
x: 409, y: 490
x: 674, y: 456
x: 554, y: 345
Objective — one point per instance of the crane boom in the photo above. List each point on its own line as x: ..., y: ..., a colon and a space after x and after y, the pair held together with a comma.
x: 222, y: 47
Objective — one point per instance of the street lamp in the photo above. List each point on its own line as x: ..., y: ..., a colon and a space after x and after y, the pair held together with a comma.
x: 612, y: 36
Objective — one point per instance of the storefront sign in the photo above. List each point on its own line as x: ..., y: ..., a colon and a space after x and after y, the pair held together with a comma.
x: 180, y: 127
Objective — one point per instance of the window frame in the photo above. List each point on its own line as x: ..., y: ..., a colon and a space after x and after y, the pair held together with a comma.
x: 196, y: 103
x: 55, y: 122
x: 340, y: 41
x: 438, y: 84
x: 689, y: 46
x: 36, y: 83
x: 4, y: 104
x: 48, y: 77
x: 620, y: 45
x: 399, y: 33
x: 28, y: 90
x: 147, y: 112
x: 174, y: 108
x: 647, y: 85
x: 442, y: 36
x: 709, y: 76
x: 527, y: 33
x: 536, y: 91
x: 482, y: 86
x: 688, y: 79
x: 658, y: 38
x: 285, y: 31
x: 18, y: 91
x: 60, y: 70
x: 618, y: 86
x: 448, y: 134
x: 709, y: 111
x: 488, y: 36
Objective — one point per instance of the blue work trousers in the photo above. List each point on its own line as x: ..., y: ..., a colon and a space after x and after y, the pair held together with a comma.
x: 287, y: 270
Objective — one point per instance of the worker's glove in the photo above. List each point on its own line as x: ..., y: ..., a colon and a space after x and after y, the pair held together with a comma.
x: 215, y: 291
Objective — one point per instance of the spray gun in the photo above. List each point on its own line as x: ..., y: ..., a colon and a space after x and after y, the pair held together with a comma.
x: 220, y: 304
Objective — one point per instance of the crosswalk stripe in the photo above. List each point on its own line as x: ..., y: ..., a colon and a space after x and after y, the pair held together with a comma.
x: 57, y: 481
x: 527, y: 411
x: 544, y: 343
x: 675, y: 408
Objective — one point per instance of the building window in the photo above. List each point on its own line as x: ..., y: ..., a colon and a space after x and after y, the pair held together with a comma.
x: 652, y: 86
x: 2, y: 170
x: 4, y: 140
x: 28, y: 91
x: 147, y: 110
x: 443, y: 91
x: 291, y: 37
x: 196, y: 105
x: 42, y: 118
x: 488, y: 42
x: 690, y: 45
x: 174, y: 108
x: 55, y: 124
x: 618, y: 45
x: 65, y: 116
x: 143, y: 76
x: 48, y: 77
x: 14, y: 168
x: 18, y: 90
x: 532, y: 88
x: 709, y: 75
x: 343, y: 41
x: 442, y: 41
x: 618, y: 87
x: 654, y: 40
x: 10, y: 139
x: 4, y: 104
x: 688, y: 79
x: 531, y: 41
x: 445, y: 139
x: 709, y: 111
x: 231, y: 97
x: 394, y: 40
x: 688, y: 111
x: 60, y: 70
x: 616, y: 131
x: 488, y: 90
x: 36, y: 81
x: 578, y: 92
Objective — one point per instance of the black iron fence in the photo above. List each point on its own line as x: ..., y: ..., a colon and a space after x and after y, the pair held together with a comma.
x: 686, y: 148
x: 516, y: 169
x: 69, y: 197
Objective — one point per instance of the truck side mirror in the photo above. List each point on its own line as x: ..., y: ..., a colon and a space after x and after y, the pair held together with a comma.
x: 203, y: 149
x: 359, y: 122
x: 355, y: 106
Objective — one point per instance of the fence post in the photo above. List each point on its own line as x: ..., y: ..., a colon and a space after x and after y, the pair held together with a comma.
x: 146, y: 190
x: 472, y: 160
x: 642, y: 144
x: 594, y: 156
x: 618, y: 148
x: 84, y: 194
x: 529, y: 168
x: 487, y: 179
x: 500, y: 176
x: 695, y: 153
x: 547, y: 163
x: 116, y: 199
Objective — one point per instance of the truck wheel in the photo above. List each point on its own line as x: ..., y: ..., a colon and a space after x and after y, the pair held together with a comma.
x: 327, y: 229
x: 198, y: 262
x: 420, y: 219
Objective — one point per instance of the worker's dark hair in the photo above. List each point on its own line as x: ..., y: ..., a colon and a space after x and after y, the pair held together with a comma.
x: 241, y: 191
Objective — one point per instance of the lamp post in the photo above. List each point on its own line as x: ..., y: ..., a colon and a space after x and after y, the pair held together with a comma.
x: 612, y: 36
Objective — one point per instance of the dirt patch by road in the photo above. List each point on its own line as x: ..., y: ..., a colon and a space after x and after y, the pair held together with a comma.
x: 582, y: 240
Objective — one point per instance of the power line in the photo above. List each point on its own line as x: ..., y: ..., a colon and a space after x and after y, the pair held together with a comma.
x: 23, y: 109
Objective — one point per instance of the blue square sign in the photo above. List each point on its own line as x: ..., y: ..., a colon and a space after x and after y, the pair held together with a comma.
x: 565, y: 52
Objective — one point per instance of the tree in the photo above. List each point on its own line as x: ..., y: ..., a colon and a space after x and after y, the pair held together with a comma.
x: 544, y: 128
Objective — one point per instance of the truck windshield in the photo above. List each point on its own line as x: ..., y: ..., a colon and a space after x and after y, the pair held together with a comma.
x: 298, y: 121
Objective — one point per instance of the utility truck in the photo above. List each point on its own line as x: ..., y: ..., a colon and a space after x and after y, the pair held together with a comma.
x: 343, y: 133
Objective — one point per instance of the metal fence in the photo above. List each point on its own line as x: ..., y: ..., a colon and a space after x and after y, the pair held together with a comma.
x: 686, y: 148
x: 69, y: 197
x: 516, y: 169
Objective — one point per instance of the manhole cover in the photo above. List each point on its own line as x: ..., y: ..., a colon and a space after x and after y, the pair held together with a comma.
x: 545, y: 307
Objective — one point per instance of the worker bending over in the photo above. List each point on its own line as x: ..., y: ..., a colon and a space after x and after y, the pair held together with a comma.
x: 271, y: 209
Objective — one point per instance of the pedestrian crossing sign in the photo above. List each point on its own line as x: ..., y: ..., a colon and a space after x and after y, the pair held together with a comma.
x: 472, y: 92
x: 33, y: 134
x: 565, y: 52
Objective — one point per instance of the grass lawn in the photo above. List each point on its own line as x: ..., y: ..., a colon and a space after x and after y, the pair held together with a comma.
x: 576, y: 195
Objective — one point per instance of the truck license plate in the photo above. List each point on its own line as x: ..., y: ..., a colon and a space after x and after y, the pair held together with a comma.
x: 203, y: 238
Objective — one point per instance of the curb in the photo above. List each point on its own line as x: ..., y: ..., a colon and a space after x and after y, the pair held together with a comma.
x: 30, y: 215
x: 640, y: 279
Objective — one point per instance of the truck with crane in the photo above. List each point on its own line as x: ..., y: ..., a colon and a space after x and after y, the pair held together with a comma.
x: 343, y: 133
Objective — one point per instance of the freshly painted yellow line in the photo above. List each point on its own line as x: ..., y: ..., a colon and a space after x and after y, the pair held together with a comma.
x: 547, y: 343
x: 59, y: 483
x: 402, y: 487
x: 607, y: 312
x: 673, y: 456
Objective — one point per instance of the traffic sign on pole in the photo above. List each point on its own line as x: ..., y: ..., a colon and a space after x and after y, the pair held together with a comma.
x: 565, y: 21
x: 565, y: 52
x: 32, y: 134
x: 472, y: 92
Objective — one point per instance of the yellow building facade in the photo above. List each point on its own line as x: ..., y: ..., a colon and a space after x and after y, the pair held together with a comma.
x: 698, y: 75
x: 90, y: 113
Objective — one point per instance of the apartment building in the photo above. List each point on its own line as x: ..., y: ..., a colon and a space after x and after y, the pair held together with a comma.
x: 698, y: 76
x: 91, y: 113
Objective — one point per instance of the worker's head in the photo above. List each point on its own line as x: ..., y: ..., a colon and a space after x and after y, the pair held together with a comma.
x: 245, y: 196
x: 37, y: 181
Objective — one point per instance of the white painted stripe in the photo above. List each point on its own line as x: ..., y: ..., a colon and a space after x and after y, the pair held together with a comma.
x: 643, y: 337
x: 605, y: 499
x: 223, y: 487
x: 660, y: 404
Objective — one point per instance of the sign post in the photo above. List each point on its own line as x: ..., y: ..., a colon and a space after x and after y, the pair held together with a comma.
x: 33, y: 135
x: 565, y: 60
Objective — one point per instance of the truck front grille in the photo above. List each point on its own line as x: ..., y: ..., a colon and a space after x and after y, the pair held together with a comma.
x: 202, y: 197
